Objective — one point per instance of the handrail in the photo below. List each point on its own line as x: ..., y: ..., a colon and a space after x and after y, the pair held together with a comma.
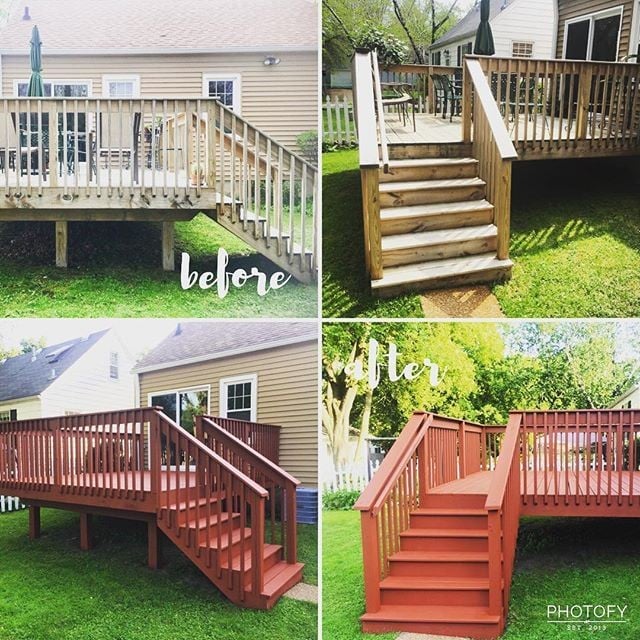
x: 382, y: 129
x: 377, y: 489
x: 364, y: 109
x: 500, y: 474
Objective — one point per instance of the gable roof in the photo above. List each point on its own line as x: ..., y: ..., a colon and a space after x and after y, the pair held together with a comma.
x: 94, y: 27
x: 25, y: 376
x: 193, y: 342
x: 468, y: 25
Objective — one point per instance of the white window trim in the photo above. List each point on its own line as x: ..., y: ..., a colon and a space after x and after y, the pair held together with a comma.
x: 5, y: 412
x: 592, y: 17
x: 237, y: 88
x: 249, y: 377
x: 531, y: 42
x: 122, y: 77
x: 634, y: 40
x: 118, y: 366
x: 89, y: 84
x: 204, y: 387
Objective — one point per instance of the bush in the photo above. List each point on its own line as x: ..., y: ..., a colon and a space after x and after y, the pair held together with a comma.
x: 308, y: 144
x: 341, y: 500
x: 391, y: 50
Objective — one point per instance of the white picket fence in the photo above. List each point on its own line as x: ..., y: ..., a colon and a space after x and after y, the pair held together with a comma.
x: 339, y: 124
x: 349, y: 478
x: 8, y: 503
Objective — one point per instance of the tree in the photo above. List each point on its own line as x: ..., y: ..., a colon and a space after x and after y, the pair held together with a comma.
x: 26, y: 345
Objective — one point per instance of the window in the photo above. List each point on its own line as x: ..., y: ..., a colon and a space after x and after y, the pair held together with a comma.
x: 119, y: 86
x: 58, y: 88
x: 114, y: 372
x: 463, y: 50
x: 183, y: 405
x: 8, y: 415
x: 522, y: 49
x: 224, y: 88
x: 238, y: 397
x: 436, y: 58
x: 593, y: 37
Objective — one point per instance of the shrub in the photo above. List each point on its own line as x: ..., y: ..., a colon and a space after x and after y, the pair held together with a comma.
x: 340, y: 500
x: 308, y: 144
x: 391, y: 50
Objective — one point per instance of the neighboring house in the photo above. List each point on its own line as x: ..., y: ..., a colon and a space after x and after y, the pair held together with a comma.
x: 521, y: 29
x: 260, y: 372
x: 630, y: 399
x: 259, y: 57
x: 83, y: 375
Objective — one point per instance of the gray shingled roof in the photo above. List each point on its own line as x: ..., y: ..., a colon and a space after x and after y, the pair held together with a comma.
x: 148, y: 26
x: 25, y: 376
x: 202, y: 340
x: 468, y: 25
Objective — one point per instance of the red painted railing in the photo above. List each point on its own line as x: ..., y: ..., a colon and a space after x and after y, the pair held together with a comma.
x: 280, y: 485
x: 264, y: 438
x: 431, y: 450
x: 503, y: 507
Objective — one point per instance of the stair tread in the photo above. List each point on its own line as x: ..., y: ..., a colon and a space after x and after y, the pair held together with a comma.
x: 441, y: 511
x: 182, y: 506
x: 417, y: 185
x: 415, y: 532
x: 213, y: 520
x: 435, y: 269
x: 434, y: 209
x: 440, y: 556
x: 437, y: 237
x: 428, y: 583
x: 224, y: 539
x: 433, y: 613
x: 269, y: 550
x: 429, y: 162
x: 277, y: 577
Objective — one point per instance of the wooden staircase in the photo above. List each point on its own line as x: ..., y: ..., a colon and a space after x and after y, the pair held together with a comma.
x: 438, y: 581
x: 436, y: 224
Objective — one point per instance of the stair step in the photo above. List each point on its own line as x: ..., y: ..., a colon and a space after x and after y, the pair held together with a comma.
x: 279, y: 579
x: 225, y: 540
x: 430, y: 168
x: 420, y: 563
x: 398, y: 194
x: 183, y: 506
x: 441, y: 215
x: 423, y: 591
x: 445, y: 533
x: 409, y: 583
x: 451, y: 519
x: 205, y: 522
x: 444, y: 539
x: 448, y: 272
x: 439, y: 556
x: 409, y: 248
x: 271, y: 551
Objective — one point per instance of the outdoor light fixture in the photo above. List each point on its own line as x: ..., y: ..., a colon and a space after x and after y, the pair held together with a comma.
x: 26, y: 15
x: 269, y: 61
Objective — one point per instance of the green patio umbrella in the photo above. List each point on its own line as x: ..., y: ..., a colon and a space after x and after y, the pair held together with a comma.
x: 484, y: 38
x: 36, y: 85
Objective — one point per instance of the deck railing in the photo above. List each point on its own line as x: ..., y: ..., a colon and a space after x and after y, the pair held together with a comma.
x: 554, y: 105
x: 162, y: 153
x: 492, y: 147
x: 264, y: 438
x: 430, y: 451
x: 280, y: 485
x: 98, y: 455
x: 573, y: 456
x: 503, y: 507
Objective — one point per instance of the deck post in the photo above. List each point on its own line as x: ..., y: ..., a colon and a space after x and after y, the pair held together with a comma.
x: 502, y: 210
x: 462, y: 457
x: 467, y: 91
x: 85, y: 531
x: 584, y: 97
x: 154, y: 545
x: 371, y: 210
x: 168, y: 246
x: 61, y: 243
x: 34, y: 522
x: 371, y: 558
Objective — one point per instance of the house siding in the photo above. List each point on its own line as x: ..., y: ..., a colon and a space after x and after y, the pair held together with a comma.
x: 632, y: 397
x: 281, y: 100
x: 287, y: 396
x: 27, y: 409
x: 569, y: 9
x: 86, y: 386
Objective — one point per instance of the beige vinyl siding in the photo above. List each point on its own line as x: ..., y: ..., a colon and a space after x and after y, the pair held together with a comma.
x: 86, y: 386
x: 287, y: 396
x: 569, y: 9
x: 27, y: 409
x: 281, y: 100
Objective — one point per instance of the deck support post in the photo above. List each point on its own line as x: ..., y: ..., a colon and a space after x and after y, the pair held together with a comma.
x: 168, y: 246
x: 61, y: 244
x: 85, y: 531
x: 34, y: 522
x: 369, y: 179
x: 154, y: 544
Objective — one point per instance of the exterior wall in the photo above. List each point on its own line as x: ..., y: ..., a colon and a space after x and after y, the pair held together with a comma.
x: 86, y: 386
x: 522, y: 21
x: 281, y: 100
x: 630, y: 401
x: 453, y: 51
x: 287, y: 396
x: 26, y: 409
x: 568, y: 9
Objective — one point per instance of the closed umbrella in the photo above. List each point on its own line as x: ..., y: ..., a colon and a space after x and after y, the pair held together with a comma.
x: 36, y: 85
x: 484, y: 38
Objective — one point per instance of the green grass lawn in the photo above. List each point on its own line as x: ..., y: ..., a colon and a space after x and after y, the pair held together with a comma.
x: 50, y: 590
x: 559, y: 561
x: 575, y: 242
x: 115, y: 271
